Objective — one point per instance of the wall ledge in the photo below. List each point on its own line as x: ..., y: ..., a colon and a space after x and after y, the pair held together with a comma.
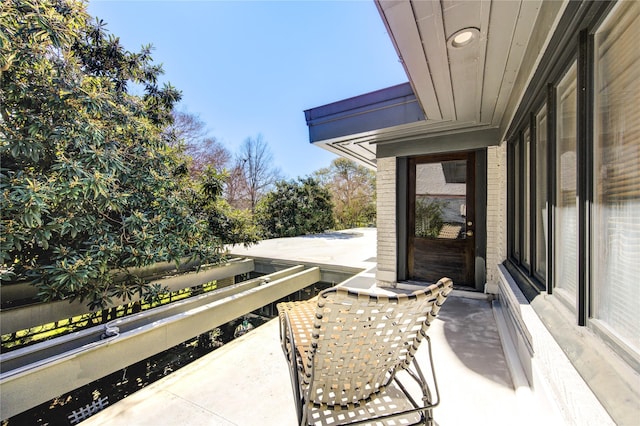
x: 550, y: 373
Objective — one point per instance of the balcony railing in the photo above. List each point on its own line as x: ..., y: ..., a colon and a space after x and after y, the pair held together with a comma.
x: 90, y: 354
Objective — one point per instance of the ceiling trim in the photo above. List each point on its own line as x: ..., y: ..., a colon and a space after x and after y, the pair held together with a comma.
x: 402, y: 14
x: 451, y: 142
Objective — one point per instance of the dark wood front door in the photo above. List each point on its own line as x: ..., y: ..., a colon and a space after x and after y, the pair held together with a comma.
x: 442, y: 218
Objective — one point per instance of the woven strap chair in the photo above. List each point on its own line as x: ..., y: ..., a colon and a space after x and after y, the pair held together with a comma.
x: 346, y: 348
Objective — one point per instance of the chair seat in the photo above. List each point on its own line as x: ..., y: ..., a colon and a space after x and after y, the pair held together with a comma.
x: 391, y: 399
x: 301, y: 316
x: 348, y: 350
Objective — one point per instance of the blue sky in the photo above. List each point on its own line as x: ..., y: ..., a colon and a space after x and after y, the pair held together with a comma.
x: 252, y: 67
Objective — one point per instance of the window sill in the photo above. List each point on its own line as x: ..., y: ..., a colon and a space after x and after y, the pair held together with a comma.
x: 567, y: 357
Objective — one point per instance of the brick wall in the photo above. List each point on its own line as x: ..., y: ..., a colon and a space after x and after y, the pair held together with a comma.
x: 496, y: 213
x: 386, y: 274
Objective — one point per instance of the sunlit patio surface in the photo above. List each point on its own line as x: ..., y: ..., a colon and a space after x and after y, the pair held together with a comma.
x: 246, y: 382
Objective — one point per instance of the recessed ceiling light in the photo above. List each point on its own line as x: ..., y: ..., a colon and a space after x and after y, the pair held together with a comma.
x: 463, y: 37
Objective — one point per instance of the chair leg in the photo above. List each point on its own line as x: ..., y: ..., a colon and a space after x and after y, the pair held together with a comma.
x: 426, y: 391
x: 427, y: 398
x: 290, y: 352
x: 295, y: 385
x: 425, y: 388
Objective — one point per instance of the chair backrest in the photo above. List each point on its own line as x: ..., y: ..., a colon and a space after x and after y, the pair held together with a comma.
x: 361, y: 339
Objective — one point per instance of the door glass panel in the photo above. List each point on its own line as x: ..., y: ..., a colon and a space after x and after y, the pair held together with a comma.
x: 440, y: 207
x: 441, y: 219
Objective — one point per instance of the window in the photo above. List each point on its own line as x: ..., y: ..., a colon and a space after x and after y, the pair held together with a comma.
x: 526, y: 184
x: 566, y: 209
x: 615, y: 226
x: 541, y: 208
x: 582, y: 109
x: 576, y: 228
x: 517, y: 200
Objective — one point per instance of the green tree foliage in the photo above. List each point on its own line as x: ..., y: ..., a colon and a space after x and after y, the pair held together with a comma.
x: 295, y: 208
x: 228, y: 224
x: 353, y: 190
x: 88, y: 182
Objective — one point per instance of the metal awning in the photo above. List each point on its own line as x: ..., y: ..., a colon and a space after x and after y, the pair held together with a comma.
x: 349, y: 127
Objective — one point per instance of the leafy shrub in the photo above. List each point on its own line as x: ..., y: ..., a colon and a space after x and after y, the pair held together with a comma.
x: 295, y: 208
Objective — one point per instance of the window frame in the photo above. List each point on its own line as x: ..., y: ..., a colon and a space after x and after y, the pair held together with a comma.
x: 576, y: 44
x: 569, y: 299
x: 535, y: 118
x: 588, y: 342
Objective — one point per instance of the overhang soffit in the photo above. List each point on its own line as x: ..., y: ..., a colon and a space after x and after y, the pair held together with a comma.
x: 469, y: 83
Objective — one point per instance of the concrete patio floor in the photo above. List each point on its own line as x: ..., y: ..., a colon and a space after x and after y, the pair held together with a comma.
x: 246, y: 382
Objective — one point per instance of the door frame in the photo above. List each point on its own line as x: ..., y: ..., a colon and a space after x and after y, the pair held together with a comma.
x: 480, y: 191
